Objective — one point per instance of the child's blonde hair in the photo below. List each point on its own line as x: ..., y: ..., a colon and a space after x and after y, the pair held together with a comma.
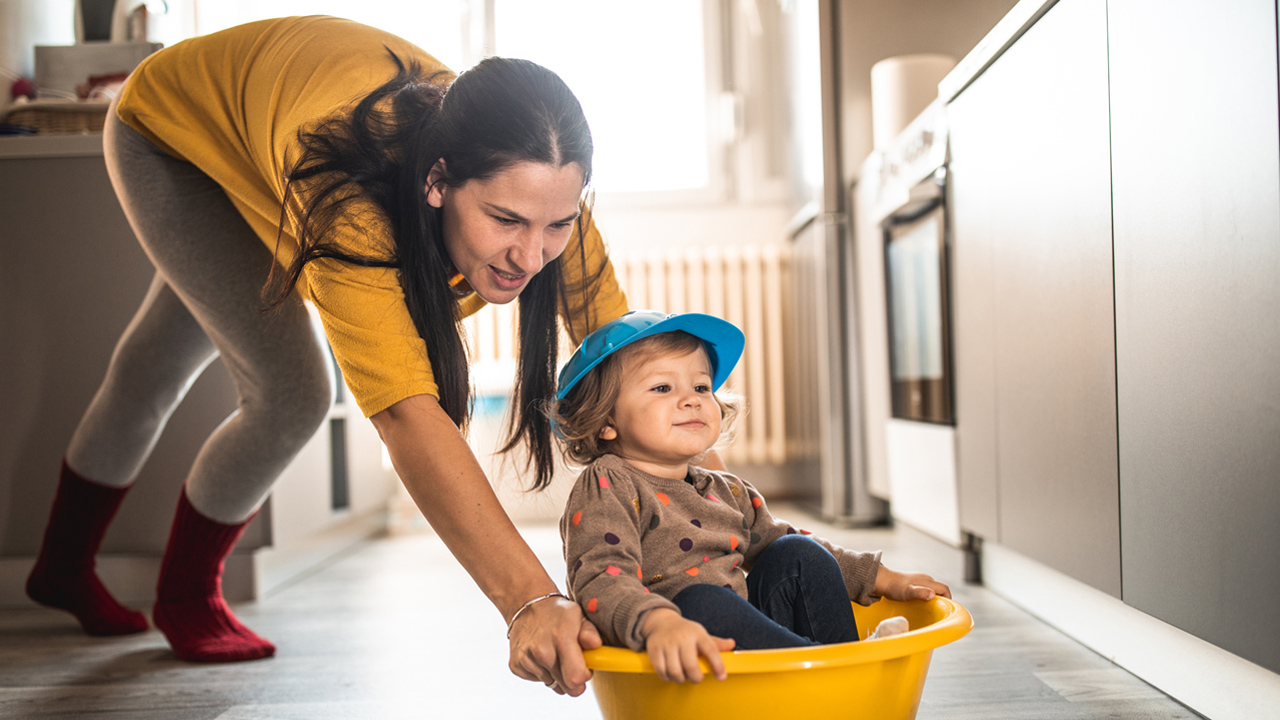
x: 588, y: 408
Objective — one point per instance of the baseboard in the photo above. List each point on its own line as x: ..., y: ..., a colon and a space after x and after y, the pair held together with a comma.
x: 274, y: 567
x: 130, y: 578
x: 1200, y: 675
x: 247, y: 576
x: 944, y: 561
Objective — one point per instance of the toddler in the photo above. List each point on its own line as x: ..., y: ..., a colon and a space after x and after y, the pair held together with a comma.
x: 673, y: 558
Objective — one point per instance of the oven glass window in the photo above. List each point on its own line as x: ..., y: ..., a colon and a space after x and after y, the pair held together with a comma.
x: 920, y: 357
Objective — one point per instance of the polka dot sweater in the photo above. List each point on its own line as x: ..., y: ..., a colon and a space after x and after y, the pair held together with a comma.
x: 633, y: 540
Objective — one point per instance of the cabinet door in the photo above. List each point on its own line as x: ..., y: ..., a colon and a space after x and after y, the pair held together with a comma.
x: 71, y: 277
x: 1197, y: 238
x: 1035, y: 345
x: 975, y: 208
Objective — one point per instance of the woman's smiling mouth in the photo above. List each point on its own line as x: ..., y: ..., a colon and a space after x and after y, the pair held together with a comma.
x: 506, y: 280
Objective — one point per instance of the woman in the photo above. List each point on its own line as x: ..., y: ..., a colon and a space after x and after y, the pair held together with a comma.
x: 335, y: 163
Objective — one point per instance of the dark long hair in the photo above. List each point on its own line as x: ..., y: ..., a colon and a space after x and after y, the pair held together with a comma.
x: 497, y: 114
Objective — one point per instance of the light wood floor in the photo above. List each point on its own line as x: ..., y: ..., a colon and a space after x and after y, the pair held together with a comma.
x: 395, y: 629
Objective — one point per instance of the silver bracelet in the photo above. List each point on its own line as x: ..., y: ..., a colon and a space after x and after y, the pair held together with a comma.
x: 530, y: 604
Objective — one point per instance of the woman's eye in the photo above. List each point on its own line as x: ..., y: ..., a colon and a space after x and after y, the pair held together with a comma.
x: 505, y: 220
x: 562, y: 225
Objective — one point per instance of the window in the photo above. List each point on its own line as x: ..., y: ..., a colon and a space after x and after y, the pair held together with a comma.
x: 640, y: 72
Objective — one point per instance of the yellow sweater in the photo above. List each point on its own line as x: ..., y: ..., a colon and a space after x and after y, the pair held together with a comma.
x: 232, y: 102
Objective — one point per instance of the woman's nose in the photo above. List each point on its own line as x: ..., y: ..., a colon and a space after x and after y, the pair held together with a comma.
x: 527, y: 252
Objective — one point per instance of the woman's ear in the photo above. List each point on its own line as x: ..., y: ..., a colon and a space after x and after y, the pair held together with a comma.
x: 608, y: 433
x: 436, y: 186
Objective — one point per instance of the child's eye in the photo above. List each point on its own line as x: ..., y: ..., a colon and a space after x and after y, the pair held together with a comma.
x: 661, y: 388
x: 702, y: 388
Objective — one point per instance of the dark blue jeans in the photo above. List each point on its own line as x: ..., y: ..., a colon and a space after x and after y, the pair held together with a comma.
x: 797, y: 597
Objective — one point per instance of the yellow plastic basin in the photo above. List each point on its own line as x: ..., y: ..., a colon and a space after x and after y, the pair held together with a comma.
x: 880, y: 679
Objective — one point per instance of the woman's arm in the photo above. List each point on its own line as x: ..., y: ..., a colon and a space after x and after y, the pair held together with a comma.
x: 446, y: 482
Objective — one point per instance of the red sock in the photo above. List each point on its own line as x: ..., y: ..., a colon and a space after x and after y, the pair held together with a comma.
x: 189, y: 607
x: 64, y: 576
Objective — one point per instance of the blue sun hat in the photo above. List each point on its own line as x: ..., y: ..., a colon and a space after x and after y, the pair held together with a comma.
x: 724, y: 342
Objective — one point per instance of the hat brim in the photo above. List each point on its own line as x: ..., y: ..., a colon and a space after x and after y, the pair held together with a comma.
x: 724, y: 341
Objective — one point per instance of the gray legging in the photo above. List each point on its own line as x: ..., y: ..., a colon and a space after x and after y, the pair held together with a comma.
x: 204, y: 302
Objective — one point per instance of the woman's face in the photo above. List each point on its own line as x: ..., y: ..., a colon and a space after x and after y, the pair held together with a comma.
x: 500, y: 232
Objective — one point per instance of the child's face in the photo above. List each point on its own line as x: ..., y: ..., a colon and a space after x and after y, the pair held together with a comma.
x: 665, y: 415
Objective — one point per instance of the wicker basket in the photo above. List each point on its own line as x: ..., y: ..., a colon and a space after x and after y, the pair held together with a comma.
x: 55, y: 117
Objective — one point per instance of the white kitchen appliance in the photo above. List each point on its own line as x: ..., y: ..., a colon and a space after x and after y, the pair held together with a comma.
x: 904, y: 294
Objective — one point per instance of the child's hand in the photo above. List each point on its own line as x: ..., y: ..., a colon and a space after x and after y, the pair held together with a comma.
x: 674, y: 645
x: 908, y: 586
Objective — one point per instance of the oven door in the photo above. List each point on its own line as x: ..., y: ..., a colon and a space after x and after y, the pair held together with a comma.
x: 919, y: 313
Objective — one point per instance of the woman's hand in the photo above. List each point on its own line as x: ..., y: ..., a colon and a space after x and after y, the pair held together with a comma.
x: 442, y: 474
x: 908, y: 586
x: 674, y: 645
x: 547, y: 641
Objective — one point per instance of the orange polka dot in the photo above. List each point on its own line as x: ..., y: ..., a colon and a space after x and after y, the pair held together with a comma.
x: 713, y: 498
x: 805, y: 532
x: 577, y: 517
x: 755, y: 502
x: 639, y: 574
x: 592, y: 604
x: 733, y: 542
x: 692, y: 571
x: 604, y: 482
x: 662, y: 498
x: 613, y: 569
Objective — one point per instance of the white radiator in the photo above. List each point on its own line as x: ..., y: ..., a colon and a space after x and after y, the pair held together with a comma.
x: 747, y: 286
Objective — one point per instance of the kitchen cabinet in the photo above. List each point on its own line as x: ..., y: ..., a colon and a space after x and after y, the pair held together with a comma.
x: 71, y: 278
x: 1196, y: 162
x: 1033, y: 305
